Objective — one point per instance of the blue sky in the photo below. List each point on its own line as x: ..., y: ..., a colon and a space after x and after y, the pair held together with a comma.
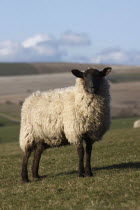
x: 86, y: 31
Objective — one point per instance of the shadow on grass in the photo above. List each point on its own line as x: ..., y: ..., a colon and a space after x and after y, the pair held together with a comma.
x: 130, y: 165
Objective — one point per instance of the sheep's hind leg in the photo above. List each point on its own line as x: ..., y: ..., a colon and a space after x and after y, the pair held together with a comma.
x: 88, y: 171
x: 37, y: 155
x: 80, y: 150
x: 24, y: 173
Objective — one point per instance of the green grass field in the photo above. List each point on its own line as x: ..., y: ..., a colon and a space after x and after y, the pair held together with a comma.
x: 10, y: 110
x: 115, y: 184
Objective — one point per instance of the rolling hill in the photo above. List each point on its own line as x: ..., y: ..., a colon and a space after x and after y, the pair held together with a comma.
x: 120, y: 73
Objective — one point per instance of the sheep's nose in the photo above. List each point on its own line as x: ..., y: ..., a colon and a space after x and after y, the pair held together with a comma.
x: 91, y: 86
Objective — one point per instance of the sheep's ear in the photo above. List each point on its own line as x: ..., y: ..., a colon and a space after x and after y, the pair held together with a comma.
x: 106, y: 71
x: 77, y: 73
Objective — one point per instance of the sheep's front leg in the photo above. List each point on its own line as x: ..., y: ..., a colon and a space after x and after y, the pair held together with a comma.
x: 37, y: 155
x: 24, y: 173
x: 88, y: 171
x: 80, y: 150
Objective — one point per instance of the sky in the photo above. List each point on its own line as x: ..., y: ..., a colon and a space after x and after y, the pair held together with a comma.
x: 84, y: 31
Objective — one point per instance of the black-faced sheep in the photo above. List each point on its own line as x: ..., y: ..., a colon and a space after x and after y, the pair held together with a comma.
x: 72, y: 115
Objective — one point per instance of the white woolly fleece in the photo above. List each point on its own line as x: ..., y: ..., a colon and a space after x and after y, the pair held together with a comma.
x: 136, y: 124
x: 65, y: 115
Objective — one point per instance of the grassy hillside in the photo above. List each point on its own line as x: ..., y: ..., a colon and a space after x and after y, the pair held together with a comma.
x: 121, y: 73
x: 11, y: 69
x: 115, y: 184
x: 7, y: 69
x: 116, y: 78
x: 10, y: 110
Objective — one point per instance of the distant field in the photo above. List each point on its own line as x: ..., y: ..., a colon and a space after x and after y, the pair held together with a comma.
x: 121, y: 73
x: 117, y: 78
x: 125, y: 84
x: 13, y: 90
x: 7, y: 69
x: 11, y: 110
x: 115, y: 164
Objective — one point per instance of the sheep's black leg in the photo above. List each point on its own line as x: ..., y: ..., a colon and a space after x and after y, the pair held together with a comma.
x: 88, y: 171
x: 37, y: 155
x: 80, y: 150
x: 24, y: 173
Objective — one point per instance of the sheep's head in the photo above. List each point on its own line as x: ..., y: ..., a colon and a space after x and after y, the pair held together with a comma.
x: 92, y: 78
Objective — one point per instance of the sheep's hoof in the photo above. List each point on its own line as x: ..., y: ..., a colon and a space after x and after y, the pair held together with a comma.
x: 25, y: 180
x: 81, y: 175
x: 88, y: 173
x: 37, y: 178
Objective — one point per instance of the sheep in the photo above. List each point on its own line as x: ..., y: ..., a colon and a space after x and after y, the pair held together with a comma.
x: 136, y: 124
x: 71, y: 115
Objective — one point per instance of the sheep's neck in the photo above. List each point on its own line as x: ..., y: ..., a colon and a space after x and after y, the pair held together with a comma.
x: 93, y: 110
x: 92, y: 103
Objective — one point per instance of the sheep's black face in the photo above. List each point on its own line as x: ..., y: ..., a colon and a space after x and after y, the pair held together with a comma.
x: 92, y: 78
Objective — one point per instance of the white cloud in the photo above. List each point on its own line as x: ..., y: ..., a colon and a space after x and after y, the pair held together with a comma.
x: 42, y: 44
x: 42, y: 47
x: 78, y: 59
x: 70, y: 38
x: 9, y: 48
x: 117, y: 56
x: 46, y: 48
x: 35, y: 40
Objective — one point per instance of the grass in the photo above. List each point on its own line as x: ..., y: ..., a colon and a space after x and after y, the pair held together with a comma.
x: 11, y: 69
x: 9, y: 129
x: 121, y: 123
x: 9, y: 133
x: 11, y: 110
x: 115, y: 184
x: 131, y: 77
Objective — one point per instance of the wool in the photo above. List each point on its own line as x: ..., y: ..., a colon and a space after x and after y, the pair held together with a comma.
x: 67, y: 115
x: 136, y: 124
